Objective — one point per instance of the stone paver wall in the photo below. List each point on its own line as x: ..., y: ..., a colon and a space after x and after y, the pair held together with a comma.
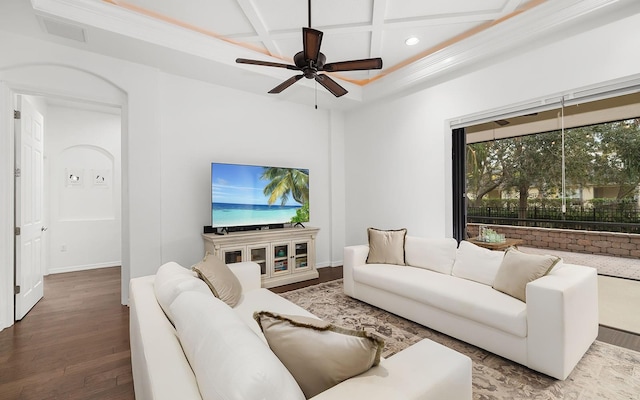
x: 590, y: 242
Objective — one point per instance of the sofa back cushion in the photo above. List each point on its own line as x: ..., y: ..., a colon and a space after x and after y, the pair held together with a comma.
x: 477, y: 263
x: 228, y: 359
x: 435, y: 254
x: 173, y: 279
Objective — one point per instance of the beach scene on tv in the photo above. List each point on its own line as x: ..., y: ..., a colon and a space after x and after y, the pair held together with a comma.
x: 243, y: 195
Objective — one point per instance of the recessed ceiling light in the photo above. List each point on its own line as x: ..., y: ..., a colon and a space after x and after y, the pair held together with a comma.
x: 411, y: 41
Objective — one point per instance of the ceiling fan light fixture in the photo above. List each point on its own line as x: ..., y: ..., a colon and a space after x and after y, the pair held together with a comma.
x: 412, y: 41
x: 310, y: 62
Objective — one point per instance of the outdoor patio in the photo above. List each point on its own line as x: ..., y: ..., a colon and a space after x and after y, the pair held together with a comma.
x: 620, y: 267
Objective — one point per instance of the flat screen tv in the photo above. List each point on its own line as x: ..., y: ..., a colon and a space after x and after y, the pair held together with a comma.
x: 252, y: 195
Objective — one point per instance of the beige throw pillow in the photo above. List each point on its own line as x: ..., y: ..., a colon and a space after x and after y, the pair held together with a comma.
x: 517, y: 269
x: 318, y: 354
x: 221, y: 280
x: 386, y: 247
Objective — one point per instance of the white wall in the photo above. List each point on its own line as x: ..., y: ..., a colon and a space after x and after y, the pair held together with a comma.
x: 204, y: 123
x: 172, y: 129
x: 31, y: 66
x: 398, y: 165
x: 84, y: 216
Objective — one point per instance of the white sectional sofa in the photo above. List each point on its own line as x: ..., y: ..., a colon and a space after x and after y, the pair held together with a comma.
x: 225, y: 354
x: 449, y: 288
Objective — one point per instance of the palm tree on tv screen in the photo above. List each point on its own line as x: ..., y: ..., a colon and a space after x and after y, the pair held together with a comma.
x: 285, y: 182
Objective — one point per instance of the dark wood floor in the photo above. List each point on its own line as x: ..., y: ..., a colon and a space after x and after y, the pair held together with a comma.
x: 74, y: 344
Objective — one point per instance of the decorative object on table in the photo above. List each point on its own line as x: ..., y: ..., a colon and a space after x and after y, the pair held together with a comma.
x: 489, y: 235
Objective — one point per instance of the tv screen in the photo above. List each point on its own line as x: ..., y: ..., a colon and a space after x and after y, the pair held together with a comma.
x: 244, y: 195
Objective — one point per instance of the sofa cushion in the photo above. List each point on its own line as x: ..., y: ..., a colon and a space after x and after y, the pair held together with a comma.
x: 518, y: 269
x: 221, y: 280
x: 465, y: 298
x: 318, y: 354
x: 173, y: 279
x: 476, y: 263
x: 227, y: 358
x: 437, y: 254
x: 386, y: 247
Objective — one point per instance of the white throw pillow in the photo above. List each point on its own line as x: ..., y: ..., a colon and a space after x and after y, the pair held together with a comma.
x: 430, y: 253
x: 477, y: 263
x: 173, y: 279
x: 228, y: 359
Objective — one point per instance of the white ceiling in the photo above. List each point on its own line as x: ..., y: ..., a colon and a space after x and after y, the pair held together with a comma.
x: 201, y: 38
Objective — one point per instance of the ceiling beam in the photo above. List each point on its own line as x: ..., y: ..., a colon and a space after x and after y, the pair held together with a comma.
x: 377, y: 25
x: 260, y: 27
x: 378, y: 10
x: 510, y: 6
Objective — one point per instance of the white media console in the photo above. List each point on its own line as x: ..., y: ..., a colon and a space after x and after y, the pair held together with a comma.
x: 285, y: 255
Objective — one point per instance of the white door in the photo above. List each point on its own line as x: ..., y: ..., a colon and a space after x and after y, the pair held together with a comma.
x: 28, y: 203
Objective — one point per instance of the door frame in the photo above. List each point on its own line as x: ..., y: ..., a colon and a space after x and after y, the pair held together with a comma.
x: 7, y: 190
x: 8, y: 91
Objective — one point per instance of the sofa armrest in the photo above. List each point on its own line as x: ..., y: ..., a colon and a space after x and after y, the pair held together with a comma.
x: 426, y: 370
x: 562, y: 318
x: 248, y: 273
x: 353, y: 255
x: 159, y: 367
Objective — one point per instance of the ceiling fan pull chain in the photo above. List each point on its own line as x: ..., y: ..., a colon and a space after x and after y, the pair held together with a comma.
x: 316, y: 90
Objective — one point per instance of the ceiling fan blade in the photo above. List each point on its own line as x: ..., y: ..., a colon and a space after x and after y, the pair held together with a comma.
x: 354, y: 65
x: 331, y: 85
x: 266, y: 64
x: 285, y: 84
x: 311, y: 41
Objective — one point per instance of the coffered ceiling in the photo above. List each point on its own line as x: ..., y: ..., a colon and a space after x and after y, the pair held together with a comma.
x: 353, y: 29
x: 202, y: 38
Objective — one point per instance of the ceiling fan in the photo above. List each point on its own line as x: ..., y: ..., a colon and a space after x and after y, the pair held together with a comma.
x: 310, y: 61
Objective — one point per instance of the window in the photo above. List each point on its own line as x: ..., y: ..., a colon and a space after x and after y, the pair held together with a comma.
x: 585, y: 176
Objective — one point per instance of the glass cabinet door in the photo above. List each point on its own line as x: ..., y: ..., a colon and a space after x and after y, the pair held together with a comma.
x: 258, y: 254
x: 280, y: 258
x: 233, y: 255
x: 301, y: 255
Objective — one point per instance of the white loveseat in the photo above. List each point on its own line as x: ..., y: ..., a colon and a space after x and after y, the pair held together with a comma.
x: 450, y: 290
x: 161, y: 371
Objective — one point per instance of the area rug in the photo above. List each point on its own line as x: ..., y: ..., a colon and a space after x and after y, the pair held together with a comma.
x: 619, y: 302
x: 605, y: 372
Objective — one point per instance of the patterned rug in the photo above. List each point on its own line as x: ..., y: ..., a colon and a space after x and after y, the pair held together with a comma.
x: 605, y: 372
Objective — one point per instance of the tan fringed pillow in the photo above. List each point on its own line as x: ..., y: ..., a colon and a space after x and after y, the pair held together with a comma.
x: 386, y: 247
x: 318, y: 354
x: 220, y: 279
x: 517, y: 269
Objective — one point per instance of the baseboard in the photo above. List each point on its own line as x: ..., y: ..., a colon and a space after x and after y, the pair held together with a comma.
x: 329, y: 264
x: 62, y: 270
